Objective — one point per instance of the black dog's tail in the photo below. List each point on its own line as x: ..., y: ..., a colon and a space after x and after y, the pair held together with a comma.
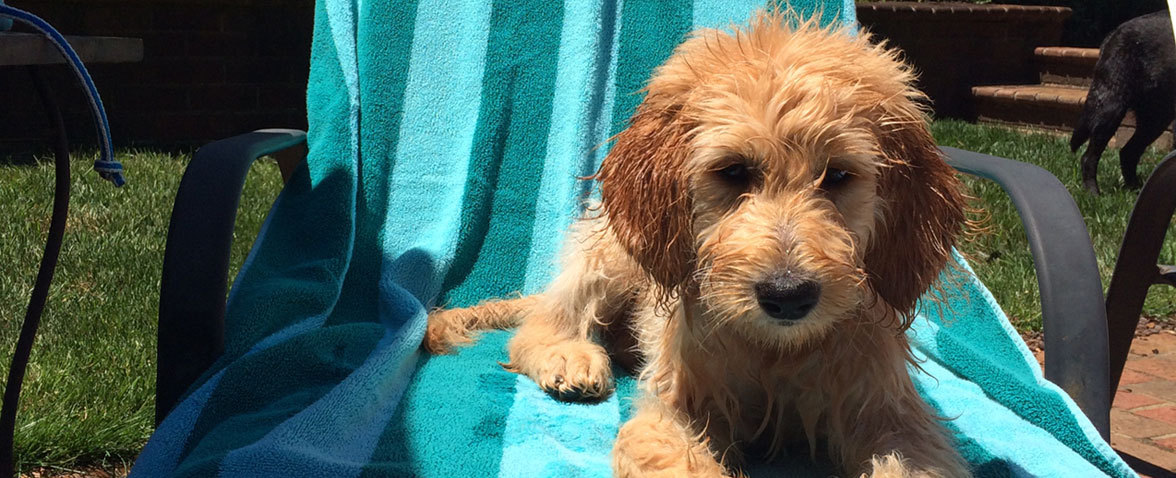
x: 1106, y: 103
x: 1109, y: 92
x: 1082, y: 130
x: 1094, y: 109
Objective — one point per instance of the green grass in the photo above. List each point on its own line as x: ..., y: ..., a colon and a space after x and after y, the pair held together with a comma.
x: 1001, y: 257
x: 88, y: 395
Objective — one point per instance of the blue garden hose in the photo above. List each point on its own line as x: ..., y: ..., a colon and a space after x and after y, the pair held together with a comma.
x: 107, y: 168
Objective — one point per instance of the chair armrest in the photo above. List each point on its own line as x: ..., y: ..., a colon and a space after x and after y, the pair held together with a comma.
x: 1136, y: 269
x: 1072, y: 307
x: 196, y: 259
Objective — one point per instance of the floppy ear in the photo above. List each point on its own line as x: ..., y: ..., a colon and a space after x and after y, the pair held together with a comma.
x: 643, y: 191
x: 924, y: 210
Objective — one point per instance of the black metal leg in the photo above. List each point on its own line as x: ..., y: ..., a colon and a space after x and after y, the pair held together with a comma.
x: 1136, y: 269
x: 59, y: 140
x: 28, y: 331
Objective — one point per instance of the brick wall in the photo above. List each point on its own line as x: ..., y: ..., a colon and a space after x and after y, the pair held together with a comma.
x: 210, y: 69
x: 214, y: 68
x: 957, y: 46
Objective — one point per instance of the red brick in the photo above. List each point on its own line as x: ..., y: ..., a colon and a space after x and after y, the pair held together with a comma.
x: 1137, y: 448
x: 222, y: 97
x: 164, y: 45
x: 148, y: 98
x: 1161, y: 389
x: 1159, y: 367
x: 1127, y: 400
x: 191, y: 17
x: 240, y: 22
x: 249, y: 121
x: 190, y: 46
x: 222, y: 45
x: 1165, y: 413
x: 193, y: 71
x: 260, y: 70
x: 1131, y: 377
x: 281, y: 96
x: 174, y: 127
x: 1163, y: 344
x: 117, y: 21
x: 1169, y: 443
x: 1136, y: 426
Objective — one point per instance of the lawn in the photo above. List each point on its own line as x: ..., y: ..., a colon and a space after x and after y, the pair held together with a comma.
x: 88, y: 395
x: 1001, y: 258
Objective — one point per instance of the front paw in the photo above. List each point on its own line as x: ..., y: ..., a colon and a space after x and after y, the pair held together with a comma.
x: 894, y: 466
x: 571, y: 371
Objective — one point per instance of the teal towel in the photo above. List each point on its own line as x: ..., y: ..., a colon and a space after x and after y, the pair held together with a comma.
x: 445, y: 140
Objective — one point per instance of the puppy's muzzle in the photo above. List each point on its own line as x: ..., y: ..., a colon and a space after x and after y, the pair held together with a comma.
x: 787, y: 297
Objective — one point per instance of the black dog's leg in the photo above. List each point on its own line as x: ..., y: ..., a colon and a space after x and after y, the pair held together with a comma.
x: 1106, y: 104
x: 1148, y: 127
x: 1104, y: 123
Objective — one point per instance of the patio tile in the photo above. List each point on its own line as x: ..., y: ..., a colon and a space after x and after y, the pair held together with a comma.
x: 1162, y: 389
x: 1154, y: 455
x: 1128, y: 400
x: 1162, y: 345
x: 1163, y: 413
x: 1169, y: 443
x: 1136, y: 426
x: 1157, y: 366
x: 1131, y: 377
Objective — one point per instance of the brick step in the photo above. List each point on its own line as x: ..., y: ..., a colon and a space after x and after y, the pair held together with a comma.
x: 1048, y: 106
x: 1058, y: 65
x: 1052, y: 107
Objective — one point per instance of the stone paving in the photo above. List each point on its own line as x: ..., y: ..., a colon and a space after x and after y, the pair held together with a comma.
x: 1143, y: 417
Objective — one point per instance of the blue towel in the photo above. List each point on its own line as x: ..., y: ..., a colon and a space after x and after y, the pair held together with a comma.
x: 445, y: 142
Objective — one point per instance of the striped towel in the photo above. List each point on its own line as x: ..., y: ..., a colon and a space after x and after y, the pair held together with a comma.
x: 445, y: 139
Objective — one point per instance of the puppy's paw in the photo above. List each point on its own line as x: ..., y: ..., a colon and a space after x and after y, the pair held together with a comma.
x: 655, y: 443
x: 894, y: 466
x: 446, y: 329
x: 574, y: 371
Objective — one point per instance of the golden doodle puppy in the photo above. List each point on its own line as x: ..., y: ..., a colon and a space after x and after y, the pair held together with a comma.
x: 768, y: 221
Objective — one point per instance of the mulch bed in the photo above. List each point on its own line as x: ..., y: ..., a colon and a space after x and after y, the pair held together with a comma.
x: 1147, y: 326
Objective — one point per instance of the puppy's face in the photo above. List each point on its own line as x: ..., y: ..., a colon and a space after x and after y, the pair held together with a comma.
x: 782, y: 182
x: 787, y: 176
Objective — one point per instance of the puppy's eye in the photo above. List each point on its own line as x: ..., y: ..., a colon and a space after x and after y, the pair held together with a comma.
x: 834, y: 177
x: 736, y: 174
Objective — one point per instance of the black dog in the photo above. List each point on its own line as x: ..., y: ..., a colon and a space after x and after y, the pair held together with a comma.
x: 1136, y: 71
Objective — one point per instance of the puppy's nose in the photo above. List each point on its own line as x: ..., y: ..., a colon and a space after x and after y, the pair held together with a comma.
x: 787, y: 297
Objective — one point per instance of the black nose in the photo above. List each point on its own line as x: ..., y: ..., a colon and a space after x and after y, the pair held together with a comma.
x: 787, y: 297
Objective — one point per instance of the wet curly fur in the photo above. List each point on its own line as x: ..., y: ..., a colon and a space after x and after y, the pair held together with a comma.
x: 780, y: 154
